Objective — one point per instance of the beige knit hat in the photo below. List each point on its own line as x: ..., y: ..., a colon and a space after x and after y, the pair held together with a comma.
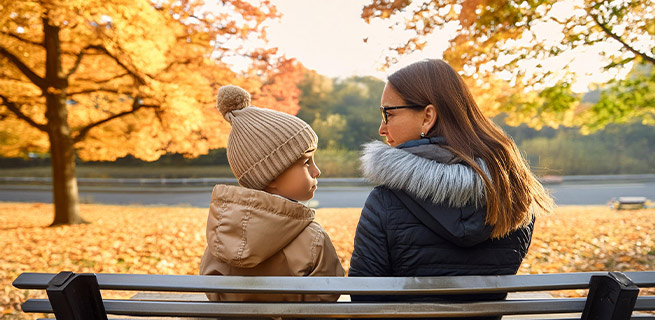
x: 263, y: 143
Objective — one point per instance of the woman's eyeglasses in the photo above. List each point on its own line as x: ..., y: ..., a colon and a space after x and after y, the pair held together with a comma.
x: 383, y: 110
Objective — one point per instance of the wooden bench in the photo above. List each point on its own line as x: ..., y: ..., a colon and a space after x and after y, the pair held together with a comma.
x: 630, y: 203
x: 77, y: 296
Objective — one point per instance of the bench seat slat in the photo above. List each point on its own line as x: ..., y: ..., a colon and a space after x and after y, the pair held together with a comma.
x: 524, y: 317
x: 352, y: 310
x: 333, y: 310
x: 363, y: 285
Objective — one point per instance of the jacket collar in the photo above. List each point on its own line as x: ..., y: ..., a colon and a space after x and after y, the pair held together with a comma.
x: 425, y: 177
x: 430, y: 148
x: 246, y: 226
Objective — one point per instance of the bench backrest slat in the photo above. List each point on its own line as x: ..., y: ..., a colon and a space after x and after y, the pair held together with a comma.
x: 645, y: 303
x: 363, y: 285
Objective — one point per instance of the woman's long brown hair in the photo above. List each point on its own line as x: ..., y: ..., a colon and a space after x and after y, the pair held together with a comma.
x: 513, y: 193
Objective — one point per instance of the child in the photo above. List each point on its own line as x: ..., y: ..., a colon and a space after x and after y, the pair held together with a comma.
x: 260, y: 228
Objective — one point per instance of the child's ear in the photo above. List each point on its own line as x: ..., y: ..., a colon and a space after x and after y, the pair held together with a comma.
x: 271, y: 187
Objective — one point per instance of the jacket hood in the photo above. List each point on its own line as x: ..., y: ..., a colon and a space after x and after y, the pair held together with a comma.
x: 449, y: 197
x: 454, y: 185
x: 247, y: 226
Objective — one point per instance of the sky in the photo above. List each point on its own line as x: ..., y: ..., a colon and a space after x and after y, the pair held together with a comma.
x: 327, y: 36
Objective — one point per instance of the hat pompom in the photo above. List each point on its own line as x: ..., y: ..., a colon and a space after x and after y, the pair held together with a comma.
x: 231, y: 98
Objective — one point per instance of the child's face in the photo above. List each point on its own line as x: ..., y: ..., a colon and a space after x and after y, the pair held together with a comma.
x: 298, y: 182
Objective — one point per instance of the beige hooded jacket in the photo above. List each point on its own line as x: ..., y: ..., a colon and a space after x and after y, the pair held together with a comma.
x: 255, y: 233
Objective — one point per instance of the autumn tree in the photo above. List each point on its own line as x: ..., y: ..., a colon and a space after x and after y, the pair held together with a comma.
x: 316, y: 92
x: 102, y: 79
x: 342, y: 111
x: 517, y: 40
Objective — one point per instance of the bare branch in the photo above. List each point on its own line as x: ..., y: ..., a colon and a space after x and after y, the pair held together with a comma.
x: 135, y: 106
x: 609, y: 32
x: 35, y: 78
x: 17, y: 37
x: 13, y: 107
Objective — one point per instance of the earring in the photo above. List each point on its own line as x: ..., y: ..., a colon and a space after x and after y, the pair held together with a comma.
x: 422, y: 134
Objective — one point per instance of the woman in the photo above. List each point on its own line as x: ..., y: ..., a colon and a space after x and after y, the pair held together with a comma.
x: 454, y: 195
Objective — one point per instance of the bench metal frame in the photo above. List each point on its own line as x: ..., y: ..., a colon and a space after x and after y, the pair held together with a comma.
x: 611, y: 295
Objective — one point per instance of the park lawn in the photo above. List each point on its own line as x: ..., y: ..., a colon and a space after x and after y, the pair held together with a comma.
x: 170, y: 240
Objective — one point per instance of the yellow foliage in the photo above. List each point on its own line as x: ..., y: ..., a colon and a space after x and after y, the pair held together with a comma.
x: 145, y: 65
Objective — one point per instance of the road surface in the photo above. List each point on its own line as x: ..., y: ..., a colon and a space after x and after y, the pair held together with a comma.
x: 327, y: 196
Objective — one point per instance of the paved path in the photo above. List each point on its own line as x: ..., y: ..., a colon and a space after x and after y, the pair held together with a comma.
x: 327, y: 196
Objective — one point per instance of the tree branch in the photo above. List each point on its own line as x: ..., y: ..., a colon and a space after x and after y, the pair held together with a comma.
x: 74, y: 53
x: 17, y: 37
x: 31, y: 75
x: 617, y: 38
x: 174, y: 63
x: 9, y: 77
x: 106, y: 80
x: 82, y: 53
x: 135, y: 106
x: 93, y: 90
x: 13, y: 107
x: 138, y: 77
x: 78, y: 60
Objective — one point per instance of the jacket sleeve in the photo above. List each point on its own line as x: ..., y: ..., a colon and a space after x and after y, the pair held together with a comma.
x: 326, y: 260
x: 370, y: 256
x: 208, y: 266
x: 326, y: 263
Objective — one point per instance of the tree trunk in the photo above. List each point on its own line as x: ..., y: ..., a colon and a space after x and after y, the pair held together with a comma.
x: 62, y: 155
x: 62, y: 151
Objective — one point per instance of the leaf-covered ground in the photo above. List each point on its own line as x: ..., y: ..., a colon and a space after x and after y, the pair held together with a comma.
x: 168, y: 240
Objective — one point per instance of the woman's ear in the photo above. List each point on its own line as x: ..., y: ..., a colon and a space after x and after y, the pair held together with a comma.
x: 429, y: 118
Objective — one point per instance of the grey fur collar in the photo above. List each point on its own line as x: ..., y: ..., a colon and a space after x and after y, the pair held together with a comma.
x: 455, y: 185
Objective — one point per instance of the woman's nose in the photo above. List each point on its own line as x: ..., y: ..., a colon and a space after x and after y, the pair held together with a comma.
x: 383, y: 128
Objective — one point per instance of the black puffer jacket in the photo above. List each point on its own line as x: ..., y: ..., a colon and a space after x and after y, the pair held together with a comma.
x: 391, y: 240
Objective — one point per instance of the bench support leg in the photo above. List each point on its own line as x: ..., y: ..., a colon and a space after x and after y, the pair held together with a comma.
x: 76, y: 297
x: 611, y: 297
